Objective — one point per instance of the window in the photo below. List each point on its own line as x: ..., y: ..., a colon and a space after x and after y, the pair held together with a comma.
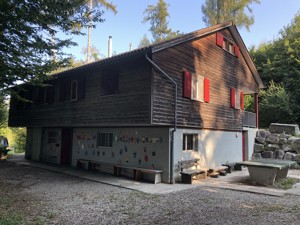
x: 72, y: 90
x: 110, y: 84
x: 196, y: 87
x: 104, y: 139
x: 227, y: 45
x: 190, y: 142
x: 236, y: 99
x: 46, y: 95
x: 52, y: 137
x: 74, y: 85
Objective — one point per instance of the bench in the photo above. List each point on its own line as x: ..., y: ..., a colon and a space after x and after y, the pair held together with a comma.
x: 187, y: 173
x: 138, y: 172
x: 83, y: 163
x: 232, y: 166
x: 266, y: 171
x: 118, y: 169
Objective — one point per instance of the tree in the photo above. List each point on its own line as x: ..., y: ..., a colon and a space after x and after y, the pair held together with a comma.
x: 157, y: 16
x: 144, y: 41
x: 3, y: 112
x: 92, y: 4
x: 275, y: 105
x: 279, y: 61
x: 218, y: 11
x: 94, y: 53
x: 26, y: 46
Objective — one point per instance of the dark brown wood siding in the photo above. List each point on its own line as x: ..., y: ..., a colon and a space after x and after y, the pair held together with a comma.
x: 131, y: 106
x: 224, y: 71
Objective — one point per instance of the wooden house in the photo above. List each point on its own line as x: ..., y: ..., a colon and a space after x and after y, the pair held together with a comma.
x: 150, y: 108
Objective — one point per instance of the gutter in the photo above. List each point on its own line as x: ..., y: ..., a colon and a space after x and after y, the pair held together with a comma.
x: 175, y: 115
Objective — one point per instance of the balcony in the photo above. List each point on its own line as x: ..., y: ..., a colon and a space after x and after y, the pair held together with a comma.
x: 249, y: 119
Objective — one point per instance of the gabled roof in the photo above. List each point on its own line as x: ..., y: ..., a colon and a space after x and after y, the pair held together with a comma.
x: 179, y: 40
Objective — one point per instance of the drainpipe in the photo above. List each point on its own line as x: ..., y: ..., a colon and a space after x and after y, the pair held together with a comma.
x: 175, y: 116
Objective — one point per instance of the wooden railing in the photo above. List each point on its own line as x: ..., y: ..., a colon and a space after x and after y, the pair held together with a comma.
x: 249, y: 119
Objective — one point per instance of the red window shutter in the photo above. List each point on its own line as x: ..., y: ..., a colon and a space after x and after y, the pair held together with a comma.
x: 232, y: 95
x: 242, y: 100
x: 220, y: 39
x: 237, y: 51
x: 187, y: 84
x: 206, y: 90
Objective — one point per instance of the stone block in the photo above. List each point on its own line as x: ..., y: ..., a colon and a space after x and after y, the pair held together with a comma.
x: 297, y: 158
x: 278, y: 154
x: 278, y: 128
x: 272, y: 139
x: 289, y: 156
x: 287, y: 148
x: 282, y: 141
x: 272, y: 147
x: 262, y: 133
x: 258, y: 148
x: 296, y: 145
x: 267, y: 154
x: 260, y: 140
x: 256, y: 156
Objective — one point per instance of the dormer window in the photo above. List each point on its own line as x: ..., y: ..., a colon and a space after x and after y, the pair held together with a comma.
x: 227, y: 45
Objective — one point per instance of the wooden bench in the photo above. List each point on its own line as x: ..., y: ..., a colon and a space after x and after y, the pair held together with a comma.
x: 232, y: 166
x: 118, y: 169
x: 83, y: 163
x: 138, y: 172
x: 187, y: 173
x: 266, y: 171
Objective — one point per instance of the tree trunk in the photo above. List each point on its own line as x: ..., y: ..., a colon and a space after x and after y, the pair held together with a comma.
x: 88, y: 54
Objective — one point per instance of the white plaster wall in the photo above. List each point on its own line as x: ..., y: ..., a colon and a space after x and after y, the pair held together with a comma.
x: 251, y: 140
x: 138, y: 147
x: 214, y: 148
x: 36, y: 143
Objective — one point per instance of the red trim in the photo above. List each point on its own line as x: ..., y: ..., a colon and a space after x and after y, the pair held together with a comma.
x: 187, y: 84
x: 242, y: 100
x: 206, y: 89
x: 219, y: 40
x: 256, y: 107
x: 232, y: 98
x: 237, y: 52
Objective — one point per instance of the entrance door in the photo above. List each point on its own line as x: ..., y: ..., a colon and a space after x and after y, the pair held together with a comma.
x: 66, y: 145
x: 245, y: 146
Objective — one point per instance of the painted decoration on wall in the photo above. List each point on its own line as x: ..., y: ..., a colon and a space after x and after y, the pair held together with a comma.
x: 140, y: 161
x: 153, y: 153
x: 146, y: 158
x: 134, y: 155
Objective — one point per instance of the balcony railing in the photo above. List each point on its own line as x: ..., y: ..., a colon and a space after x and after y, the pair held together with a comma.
x: 249, y: 119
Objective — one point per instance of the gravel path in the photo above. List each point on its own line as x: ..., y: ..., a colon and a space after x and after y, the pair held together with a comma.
x: 38, y: 196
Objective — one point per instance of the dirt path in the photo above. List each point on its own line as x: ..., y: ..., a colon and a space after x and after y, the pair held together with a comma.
x: 34, y: 196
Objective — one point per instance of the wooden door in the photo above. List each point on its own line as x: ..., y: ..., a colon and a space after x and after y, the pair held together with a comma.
x: 66, y: 145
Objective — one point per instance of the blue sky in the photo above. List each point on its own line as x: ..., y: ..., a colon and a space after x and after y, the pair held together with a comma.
x: 126, y: 27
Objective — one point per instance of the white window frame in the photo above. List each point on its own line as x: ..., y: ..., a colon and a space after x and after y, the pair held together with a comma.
x: 53, y: 137
x: 198, y: 85
x: 72, y: 91
x: 107, y: 144
x: 228, y: 46
x: 185, y: 142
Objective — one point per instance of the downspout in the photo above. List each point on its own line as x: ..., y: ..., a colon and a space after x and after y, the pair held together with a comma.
x: 175, y: 116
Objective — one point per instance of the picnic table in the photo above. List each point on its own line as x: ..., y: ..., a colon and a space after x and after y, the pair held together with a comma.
x: 266, y: 171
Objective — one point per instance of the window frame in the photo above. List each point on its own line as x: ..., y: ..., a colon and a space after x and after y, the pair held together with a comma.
x: 72, y: 91
x: 199, y: 81
x: 52, y: 138
x: 194, y: 142
x: 108, y: 79
x: 108, y: 142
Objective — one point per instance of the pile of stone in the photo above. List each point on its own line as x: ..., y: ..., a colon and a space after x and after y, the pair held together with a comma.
x: 281, y: 141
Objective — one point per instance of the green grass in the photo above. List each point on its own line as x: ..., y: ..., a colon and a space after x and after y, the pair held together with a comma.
x: 287, y: 183
x: 11, y: 219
